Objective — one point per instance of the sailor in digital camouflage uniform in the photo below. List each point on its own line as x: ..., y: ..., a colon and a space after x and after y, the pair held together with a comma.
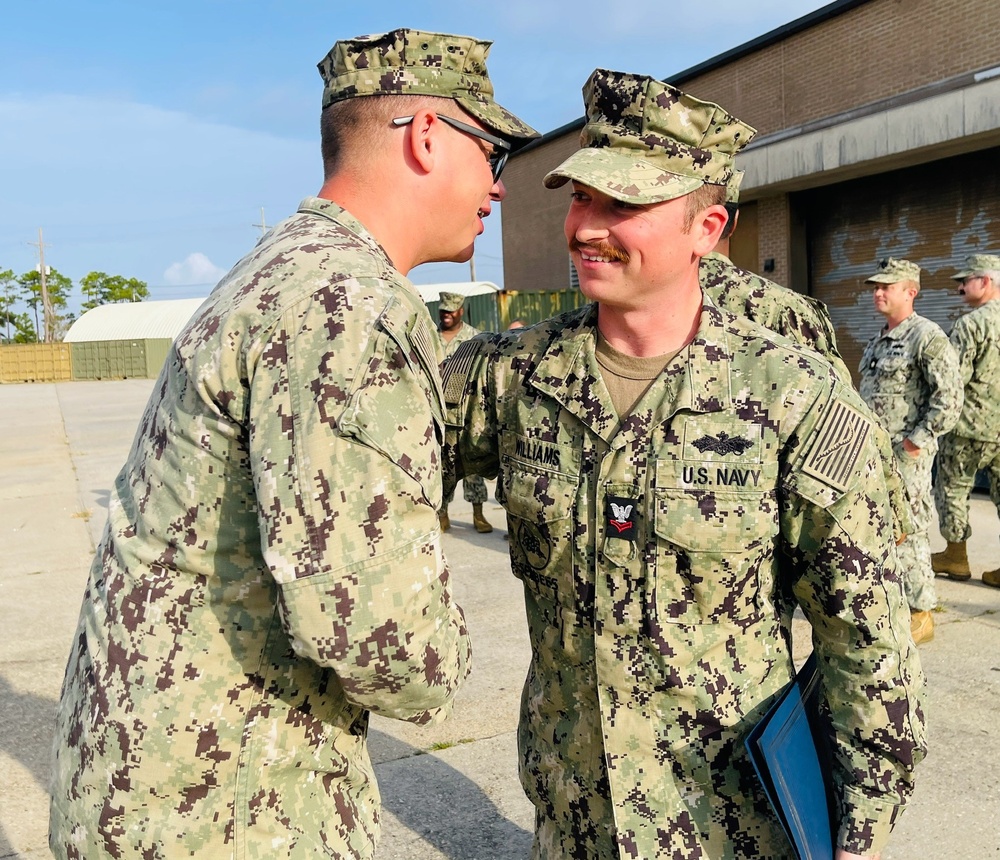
x: 271, y: 571
x: 909, y: 378
x: 974, y: 444
x: 453, y: 331
x: 677, y: 480
x: 800, y: 318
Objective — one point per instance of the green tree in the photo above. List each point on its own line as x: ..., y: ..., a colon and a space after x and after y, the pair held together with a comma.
x: 58, y: 287
x: 99, y: 288
x: 8, y: 296
x: 24, y: 329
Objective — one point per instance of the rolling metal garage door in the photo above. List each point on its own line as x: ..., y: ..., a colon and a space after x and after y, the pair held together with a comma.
x: 935, y: 214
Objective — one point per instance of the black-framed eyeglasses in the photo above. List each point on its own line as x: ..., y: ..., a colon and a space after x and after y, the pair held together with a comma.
x: 497, y: 157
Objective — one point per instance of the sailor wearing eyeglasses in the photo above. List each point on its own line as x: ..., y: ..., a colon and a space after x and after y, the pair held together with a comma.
x: 272, y: 569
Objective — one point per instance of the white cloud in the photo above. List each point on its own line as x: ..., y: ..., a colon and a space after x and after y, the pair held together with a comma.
x: 132, y: 189
x: 196, y: 269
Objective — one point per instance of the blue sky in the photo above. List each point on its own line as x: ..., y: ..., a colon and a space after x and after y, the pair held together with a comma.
x: 145, y: 137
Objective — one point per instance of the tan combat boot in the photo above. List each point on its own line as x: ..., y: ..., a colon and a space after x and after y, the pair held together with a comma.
x: 921, y: 626
x: 953, y: 562
x: 479, y: 521
x: 444, y: 520
x: 992, y: 577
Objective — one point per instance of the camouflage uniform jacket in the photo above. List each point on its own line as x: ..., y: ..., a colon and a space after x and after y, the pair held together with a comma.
x: 662, y: 558
x: 466, y: 332
x: 271, y: 570
x: 805, y: 321
x: 800, y: 318
x: 910, y: 379
x: 976, y: 338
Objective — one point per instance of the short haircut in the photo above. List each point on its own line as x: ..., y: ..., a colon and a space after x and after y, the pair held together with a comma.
x: 353, y: 126
x: 994, y: 277
x: 702, y: 198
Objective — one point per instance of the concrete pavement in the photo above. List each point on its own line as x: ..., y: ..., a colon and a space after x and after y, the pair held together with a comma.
x: 449, y: 791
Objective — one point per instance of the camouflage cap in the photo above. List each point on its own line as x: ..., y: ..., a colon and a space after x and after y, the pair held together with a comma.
x: 414, y: 62
x: 646, y: 141
x: 733, y: 187
x: 891, y: 271
x: 978, y: 264
x: 451, y: 301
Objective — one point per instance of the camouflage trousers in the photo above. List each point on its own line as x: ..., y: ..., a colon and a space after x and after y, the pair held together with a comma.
x: 473, y: 490
x: 958, y: 461
x: 914, y: 553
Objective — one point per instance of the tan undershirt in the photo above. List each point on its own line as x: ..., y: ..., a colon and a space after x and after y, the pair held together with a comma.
x: 626, y: 376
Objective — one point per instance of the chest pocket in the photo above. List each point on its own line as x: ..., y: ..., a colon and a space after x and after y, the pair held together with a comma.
x: 893, y: 374
x: 714, y: 542
x: 540, y: 502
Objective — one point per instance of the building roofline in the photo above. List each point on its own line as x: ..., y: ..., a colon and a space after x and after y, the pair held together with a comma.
x: 818, y: 16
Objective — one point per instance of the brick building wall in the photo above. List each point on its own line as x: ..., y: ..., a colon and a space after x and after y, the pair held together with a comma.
x: 772, y: 237
x: 534, y: 248
x: 871, y: 52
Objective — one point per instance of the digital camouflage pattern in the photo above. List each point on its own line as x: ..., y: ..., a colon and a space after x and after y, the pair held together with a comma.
x: 892, y: 270
x: 662, y: 558
x: 959, y: 458
x: 976, y: 338
x: 800, y: 318
x: 414, y: 62
x: 805, y: 321
x: 473, y: 486
x: 645, y: 141
x: 978, y: 264
x: 450, y: 301
x: 271, y: 570
x: 910, y: 379
x: 974, y: 443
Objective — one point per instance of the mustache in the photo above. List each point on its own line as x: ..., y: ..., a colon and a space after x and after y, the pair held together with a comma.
x: 601, y: 249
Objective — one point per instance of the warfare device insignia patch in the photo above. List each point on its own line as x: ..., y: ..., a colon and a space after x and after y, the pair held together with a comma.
x: 723, y: 444
x: 839, y: 439
x: 621, y: 516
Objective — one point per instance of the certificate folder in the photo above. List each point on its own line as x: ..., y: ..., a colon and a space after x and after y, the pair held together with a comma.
x: 784, y: 753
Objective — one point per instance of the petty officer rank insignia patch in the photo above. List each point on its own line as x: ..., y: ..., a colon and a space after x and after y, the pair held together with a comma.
x: 621, y: 516
x: 840, y: 437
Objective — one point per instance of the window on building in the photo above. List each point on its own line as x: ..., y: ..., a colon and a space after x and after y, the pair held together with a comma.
x: 574, y: 278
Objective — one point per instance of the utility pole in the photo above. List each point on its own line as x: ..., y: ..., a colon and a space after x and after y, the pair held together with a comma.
x: 263, y: 224
x: 472, y: 268
x: 47, y: 314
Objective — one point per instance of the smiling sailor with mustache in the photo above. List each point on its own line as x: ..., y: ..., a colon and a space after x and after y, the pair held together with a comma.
x: 677, y: 481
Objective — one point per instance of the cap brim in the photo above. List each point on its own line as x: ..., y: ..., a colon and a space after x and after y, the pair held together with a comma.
x: 499, y: 119
x: 961, y: 276
x: 626, y: 177
x: 883, y: 279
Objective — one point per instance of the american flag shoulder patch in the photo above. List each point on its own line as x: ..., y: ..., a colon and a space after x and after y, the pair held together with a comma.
x: 421, y: 343
x: 455, y: 371
x: 840, y: 437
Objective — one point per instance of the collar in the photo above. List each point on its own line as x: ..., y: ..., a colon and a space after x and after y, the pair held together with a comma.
x: 698, y: 379
x: 323, y: 208
x: 900, y: 330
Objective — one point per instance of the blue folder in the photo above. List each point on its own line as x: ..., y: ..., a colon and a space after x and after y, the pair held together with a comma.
x: 784, y: 753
